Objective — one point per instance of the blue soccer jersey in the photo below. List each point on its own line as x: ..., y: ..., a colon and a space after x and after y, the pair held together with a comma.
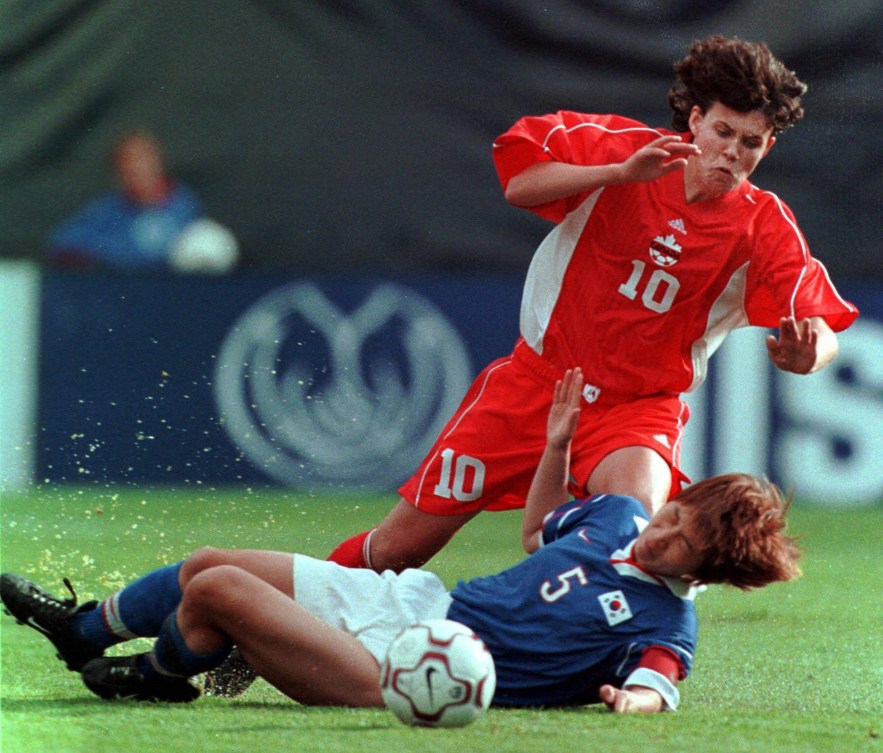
x: 578, y: 613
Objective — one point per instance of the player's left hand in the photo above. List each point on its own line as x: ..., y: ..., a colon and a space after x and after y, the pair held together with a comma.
x: 564, y: 413
x: 797, y: 347
x: 640, y: 700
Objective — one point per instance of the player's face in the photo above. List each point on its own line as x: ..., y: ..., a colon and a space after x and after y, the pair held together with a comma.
x: 733, y: 144
x: 668, y: 545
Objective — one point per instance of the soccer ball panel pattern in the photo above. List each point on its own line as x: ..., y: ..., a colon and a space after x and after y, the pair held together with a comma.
x: 438, y: 673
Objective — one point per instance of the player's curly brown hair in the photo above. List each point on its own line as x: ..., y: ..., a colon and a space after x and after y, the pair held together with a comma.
x: 744, y: 76
x: 740, y: 520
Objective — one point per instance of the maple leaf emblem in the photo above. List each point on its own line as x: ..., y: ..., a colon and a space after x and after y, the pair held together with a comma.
x: 665, y: 251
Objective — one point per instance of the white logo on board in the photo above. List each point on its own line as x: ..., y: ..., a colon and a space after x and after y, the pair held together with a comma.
x: 313, y: 394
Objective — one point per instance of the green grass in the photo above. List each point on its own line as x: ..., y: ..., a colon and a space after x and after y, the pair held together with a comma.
x: 792, y: 668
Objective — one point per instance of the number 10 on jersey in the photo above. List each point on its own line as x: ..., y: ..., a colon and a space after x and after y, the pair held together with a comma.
x: 657, y: 293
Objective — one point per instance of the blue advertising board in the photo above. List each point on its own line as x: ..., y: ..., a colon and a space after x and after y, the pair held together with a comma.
x: 343, y: 382
x: 314, y: 382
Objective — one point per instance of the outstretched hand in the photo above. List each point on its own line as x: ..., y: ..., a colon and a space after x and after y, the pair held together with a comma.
x: 796, y: 348
x: 640, y: 700
x: 566, y: 404
x: 659, y: 157
x: 548, y: 489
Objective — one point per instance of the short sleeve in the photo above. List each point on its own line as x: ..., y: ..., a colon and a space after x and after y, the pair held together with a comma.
x: 569, y: 137
x: 784, y: 278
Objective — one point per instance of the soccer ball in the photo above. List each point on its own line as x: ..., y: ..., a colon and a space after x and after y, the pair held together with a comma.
x: 438, y: 673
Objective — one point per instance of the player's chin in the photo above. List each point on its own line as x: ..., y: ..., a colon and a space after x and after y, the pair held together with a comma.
x: 723, y: 181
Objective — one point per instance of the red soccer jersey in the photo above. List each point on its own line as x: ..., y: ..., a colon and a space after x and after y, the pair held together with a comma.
x: 637, y: 286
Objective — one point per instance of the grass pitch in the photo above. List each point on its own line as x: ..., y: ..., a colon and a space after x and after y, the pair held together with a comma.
x: 794, y: 667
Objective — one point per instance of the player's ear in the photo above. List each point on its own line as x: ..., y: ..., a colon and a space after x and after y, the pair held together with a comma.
x: 691, y: 579
x: 769, y: 145
x: 695, y: 118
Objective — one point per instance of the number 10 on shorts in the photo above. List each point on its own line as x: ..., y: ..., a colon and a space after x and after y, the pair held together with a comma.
x: 462, y: 477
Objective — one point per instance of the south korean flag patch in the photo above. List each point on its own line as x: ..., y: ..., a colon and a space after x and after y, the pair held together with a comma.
x: 616, y: 608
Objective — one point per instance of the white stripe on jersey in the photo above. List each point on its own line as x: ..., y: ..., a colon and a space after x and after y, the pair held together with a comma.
x: 726, y: 313
x: 542, y: 286
x: 600, y: 127
x: 456, y: 424
x: 806, y: 256
x: 682, y: 424
x: 833, y: 289
x: 803, y: 249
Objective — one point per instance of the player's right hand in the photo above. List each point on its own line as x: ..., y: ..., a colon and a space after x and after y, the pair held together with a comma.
x: 659, y: 157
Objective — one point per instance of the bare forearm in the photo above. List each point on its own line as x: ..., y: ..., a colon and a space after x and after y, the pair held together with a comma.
x: 548, y: 490
x: 549, y: 181
x: 828, y: 346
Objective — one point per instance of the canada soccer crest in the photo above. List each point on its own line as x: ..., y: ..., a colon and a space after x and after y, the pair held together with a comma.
x: 665, y: 251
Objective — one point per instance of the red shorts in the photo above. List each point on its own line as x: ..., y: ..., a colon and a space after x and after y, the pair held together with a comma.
x: 487, y: 453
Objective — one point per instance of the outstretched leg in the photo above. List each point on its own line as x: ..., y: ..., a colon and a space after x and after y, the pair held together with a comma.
x: 224, y: 604
x: 406, y: 537
x: 303, y: 657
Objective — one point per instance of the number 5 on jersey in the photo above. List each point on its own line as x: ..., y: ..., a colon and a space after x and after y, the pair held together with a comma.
x: 565, y: 583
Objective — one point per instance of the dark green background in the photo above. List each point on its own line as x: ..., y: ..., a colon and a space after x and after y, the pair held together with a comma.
x: 337, y: 134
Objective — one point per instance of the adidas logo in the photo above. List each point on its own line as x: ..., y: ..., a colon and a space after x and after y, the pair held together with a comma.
x: 678, y: 225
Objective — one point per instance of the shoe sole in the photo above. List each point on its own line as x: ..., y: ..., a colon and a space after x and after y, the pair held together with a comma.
x: 93, y: 678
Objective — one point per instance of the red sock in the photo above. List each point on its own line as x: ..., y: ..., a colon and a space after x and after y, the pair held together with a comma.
x: 351, y: 553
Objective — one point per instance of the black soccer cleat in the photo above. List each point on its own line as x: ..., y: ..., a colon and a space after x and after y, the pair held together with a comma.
x: 230, y: 679
x: 119, y: 678
x: 36, y: 608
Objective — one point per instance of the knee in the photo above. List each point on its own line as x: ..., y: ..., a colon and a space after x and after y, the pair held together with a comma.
x: 212, y: 587
x: 202, y: 559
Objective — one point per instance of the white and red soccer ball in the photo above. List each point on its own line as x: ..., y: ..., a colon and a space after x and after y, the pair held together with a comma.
x: 438, y: 673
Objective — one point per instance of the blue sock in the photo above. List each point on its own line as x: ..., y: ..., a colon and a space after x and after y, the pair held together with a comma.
x: 170, y: 655
x: 138, y: 610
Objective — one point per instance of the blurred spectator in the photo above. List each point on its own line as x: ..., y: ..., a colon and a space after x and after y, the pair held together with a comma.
x: 150, y: 222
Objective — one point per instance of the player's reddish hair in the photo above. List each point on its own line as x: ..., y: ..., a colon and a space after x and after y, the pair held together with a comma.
x: 744, y: 76
x: 741, y: 521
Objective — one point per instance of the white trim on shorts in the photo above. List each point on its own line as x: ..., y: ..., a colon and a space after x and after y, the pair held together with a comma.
x: 372, y: 607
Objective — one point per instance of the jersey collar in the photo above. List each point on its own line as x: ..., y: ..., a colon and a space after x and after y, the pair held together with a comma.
x: 624, y: 563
